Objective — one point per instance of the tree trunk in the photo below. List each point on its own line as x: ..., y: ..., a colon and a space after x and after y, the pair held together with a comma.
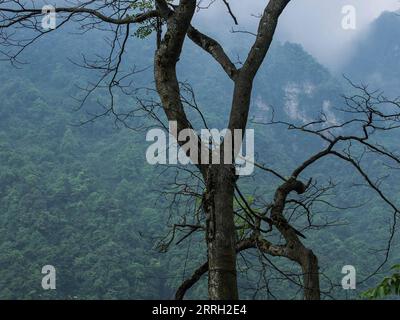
x: 221, y: 236
x: 310, y: 275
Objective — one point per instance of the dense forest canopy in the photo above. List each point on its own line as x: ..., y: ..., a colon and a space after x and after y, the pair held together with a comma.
x: 84, y: 199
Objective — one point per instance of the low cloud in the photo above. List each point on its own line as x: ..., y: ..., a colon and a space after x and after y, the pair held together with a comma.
x: 315, y: 24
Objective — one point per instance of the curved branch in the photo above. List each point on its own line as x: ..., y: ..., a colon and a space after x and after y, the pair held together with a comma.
x: 29, y: 13
x: 190, y: 282
x: 214, y: 49
x: 265, y: 33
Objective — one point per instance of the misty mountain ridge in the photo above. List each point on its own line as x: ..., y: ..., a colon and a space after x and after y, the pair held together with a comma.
x: 376, y: 59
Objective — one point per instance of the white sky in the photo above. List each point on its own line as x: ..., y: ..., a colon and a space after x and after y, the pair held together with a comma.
x: 316, y: 24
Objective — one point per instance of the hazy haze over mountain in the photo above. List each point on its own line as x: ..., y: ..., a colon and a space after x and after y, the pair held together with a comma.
x: 315, y: 24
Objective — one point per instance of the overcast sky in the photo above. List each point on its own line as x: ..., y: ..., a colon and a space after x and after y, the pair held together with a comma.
x: 316, y: 24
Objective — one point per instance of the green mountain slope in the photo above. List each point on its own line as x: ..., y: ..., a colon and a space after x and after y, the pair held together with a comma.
x: 84, y: 199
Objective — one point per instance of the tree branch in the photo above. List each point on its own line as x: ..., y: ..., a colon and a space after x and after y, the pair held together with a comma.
x: 214, y: 49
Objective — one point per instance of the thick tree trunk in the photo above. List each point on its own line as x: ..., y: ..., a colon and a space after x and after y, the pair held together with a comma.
x: 221, y: 238
x: 220, y: 179
x: 310, y: 275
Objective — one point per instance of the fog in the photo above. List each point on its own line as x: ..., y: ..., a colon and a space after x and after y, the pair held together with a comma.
x: 315, y: 24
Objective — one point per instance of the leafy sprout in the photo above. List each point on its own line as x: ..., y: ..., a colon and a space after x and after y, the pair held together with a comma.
x: 389, y: 286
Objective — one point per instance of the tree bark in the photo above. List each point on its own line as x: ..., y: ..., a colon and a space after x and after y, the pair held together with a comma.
x: 309, y: 266
x: 296, y: 251
x: 218, y: 202
x: 220, y: 179
x: 221, y: 242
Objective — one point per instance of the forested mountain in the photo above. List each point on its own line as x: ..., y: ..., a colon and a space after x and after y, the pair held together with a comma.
x: 84, y: 199
x: 376, y: 60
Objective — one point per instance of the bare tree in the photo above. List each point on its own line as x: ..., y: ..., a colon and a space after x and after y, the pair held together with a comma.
x: 366, y: 115
x: 173, y: 23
